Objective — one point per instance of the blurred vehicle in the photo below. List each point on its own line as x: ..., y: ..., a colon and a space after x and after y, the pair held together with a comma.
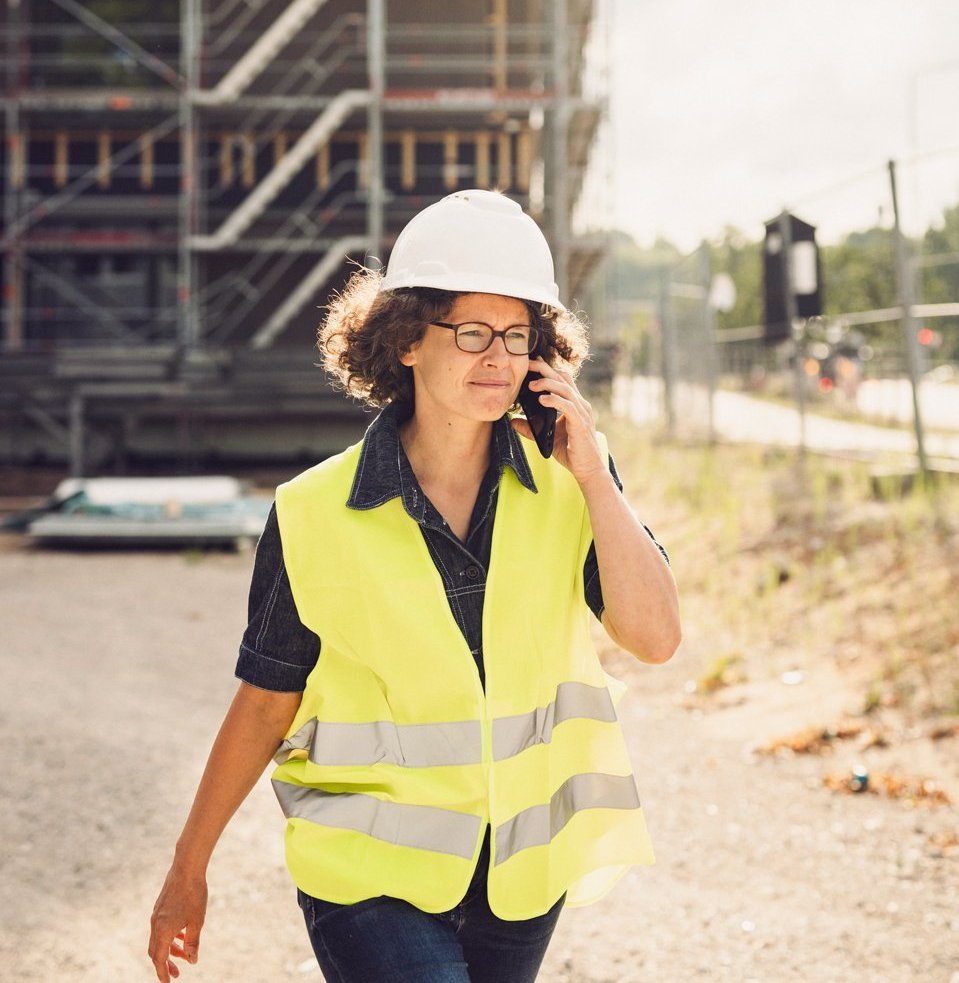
x: 838, y: 366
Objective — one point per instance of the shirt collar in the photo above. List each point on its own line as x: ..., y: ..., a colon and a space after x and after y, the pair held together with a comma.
x: 384, y: 471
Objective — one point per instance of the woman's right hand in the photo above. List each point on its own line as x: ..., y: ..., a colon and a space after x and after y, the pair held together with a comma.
x: 176, y: 922
x: 249, y: 736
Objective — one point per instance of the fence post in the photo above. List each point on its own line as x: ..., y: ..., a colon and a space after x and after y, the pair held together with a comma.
x: 709, y: 334
x: 796, y: 327
x: 667, y: 335
x: 904, y: 283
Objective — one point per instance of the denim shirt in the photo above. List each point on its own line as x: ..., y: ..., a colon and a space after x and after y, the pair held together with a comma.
x: 278, y: 651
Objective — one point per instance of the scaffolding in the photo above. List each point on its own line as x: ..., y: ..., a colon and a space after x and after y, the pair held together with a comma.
x: 186, y: 181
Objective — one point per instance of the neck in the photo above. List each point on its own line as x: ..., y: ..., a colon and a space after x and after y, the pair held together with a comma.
x: 444, y: 453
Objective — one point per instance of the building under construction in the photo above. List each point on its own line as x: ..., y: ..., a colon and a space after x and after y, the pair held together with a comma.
x: 186, y: 181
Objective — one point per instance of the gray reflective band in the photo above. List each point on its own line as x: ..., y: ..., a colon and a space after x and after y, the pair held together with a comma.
x: 514, y: 734
x: 410, y: 745
x: 455, y: 743
x: 422, y: 827
x: 296, y: 742
x: 538, y: 825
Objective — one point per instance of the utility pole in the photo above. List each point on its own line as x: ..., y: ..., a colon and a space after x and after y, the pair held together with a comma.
x: 906, y: 300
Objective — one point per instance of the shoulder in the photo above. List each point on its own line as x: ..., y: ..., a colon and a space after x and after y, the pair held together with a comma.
x: 327, y: 472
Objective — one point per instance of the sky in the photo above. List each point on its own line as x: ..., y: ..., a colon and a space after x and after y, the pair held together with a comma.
x: 723, y: 112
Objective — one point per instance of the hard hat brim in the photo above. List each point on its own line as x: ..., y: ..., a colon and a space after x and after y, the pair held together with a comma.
x: 477, y: 283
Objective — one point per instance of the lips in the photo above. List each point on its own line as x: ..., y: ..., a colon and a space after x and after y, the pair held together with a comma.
x: 492, y: 383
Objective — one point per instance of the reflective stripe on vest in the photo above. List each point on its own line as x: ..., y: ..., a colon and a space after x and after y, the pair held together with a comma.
x: 456, y: 743
x: 511, y: 735
x: 423, y: 827
x: 538, y: 825
x: 410, y: 745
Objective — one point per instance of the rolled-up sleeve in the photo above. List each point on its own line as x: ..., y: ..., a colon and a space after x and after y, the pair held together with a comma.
x: 277, y: 651
x: 592, y: 586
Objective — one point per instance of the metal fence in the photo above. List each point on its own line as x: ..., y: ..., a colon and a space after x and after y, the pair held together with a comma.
x: 843, y: 383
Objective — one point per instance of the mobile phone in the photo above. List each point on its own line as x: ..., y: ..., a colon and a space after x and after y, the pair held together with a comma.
x: 542, y: 419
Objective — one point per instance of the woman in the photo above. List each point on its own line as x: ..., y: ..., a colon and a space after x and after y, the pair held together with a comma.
x: 449, y: 762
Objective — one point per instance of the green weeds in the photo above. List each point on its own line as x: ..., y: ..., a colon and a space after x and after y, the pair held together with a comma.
x: 795, y: 561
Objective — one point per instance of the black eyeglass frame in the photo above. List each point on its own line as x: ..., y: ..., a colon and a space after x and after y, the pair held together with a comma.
x: 494, y: 334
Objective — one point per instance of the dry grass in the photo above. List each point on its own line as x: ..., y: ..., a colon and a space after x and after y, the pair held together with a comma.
x: 782, y: 564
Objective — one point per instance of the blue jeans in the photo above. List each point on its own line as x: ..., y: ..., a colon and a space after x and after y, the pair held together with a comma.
x: 386, y: 940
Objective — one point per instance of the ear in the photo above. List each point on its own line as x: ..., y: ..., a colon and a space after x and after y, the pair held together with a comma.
x: 408, y: 358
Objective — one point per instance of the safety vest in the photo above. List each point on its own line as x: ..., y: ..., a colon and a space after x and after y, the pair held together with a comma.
x: 397, y: 759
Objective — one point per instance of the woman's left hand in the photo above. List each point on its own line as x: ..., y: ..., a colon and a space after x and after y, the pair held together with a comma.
x: 575, y: 445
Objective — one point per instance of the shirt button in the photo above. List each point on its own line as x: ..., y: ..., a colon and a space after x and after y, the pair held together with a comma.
x: 472, y: 572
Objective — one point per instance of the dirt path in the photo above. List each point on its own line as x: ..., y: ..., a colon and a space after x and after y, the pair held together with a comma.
x: 117, y: 667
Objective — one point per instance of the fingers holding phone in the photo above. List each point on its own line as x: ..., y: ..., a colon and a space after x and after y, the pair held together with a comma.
x: 575, y: 444
x: 541, y: 419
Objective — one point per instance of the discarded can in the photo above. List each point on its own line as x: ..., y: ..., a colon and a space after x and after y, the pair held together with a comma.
x: 859, y: 781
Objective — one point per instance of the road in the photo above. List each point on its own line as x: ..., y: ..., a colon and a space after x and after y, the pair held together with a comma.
x: 120, y: 666
x: 743, y: 418
x: 891, y: 400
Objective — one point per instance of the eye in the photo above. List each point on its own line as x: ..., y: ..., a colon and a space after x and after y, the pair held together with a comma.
x: 517, y: 334
x: 472, y: 331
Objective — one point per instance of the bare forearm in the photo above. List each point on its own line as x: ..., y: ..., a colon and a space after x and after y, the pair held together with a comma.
x: 641, y: 602
x: 248, y: 738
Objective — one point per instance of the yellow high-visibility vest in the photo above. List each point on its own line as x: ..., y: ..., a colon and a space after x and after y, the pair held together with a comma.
x: 397, y: 759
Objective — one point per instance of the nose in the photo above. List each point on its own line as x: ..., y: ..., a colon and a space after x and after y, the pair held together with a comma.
x: 496, y: 353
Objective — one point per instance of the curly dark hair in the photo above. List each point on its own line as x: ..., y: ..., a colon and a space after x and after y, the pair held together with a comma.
x: 366, y: 330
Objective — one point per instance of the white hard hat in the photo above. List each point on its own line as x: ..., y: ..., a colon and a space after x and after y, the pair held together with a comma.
x: 474, y: 241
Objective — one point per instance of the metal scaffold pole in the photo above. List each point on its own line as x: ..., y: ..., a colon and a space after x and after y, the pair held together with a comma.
x: 188, y: 329
x: 560, y: 133
x: 376, y: 61
x: 13, y: 185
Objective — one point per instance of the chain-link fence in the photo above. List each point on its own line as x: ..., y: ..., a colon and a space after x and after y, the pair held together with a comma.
x: 844, y: 381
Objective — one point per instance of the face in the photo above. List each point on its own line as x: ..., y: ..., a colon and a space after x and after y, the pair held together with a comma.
x: 454, y: 384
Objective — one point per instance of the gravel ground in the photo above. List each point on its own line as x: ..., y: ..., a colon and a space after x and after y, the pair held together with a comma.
x: 117, y: 667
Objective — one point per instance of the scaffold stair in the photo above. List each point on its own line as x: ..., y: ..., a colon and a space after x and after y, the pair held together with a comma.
x: 242, y: 74
x: 284, y: 171
x: 307, y: 288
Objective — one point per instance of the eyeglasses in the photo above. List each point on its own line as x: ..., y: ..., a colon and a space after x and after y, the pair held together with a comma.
x: 475, y: 336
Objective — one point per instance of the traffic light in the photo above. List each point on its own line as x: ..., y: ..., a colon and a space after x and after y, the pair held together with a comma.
x: 806, y: 278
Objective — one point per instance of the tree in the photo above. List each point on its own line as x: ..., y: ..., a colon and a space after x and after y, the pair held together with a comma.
x: 858, y: 275
x: 938, y: 282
